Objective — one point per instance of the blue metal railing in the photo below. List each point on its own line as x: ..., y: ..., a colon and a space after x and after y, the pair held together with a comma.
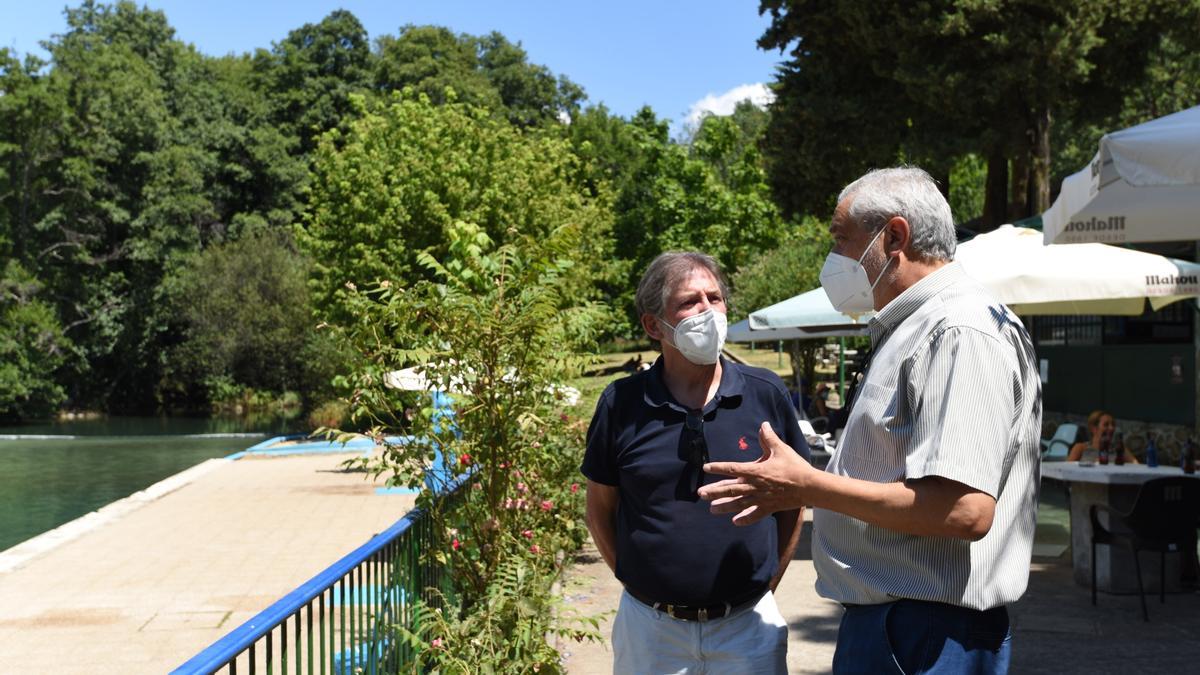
x: 340, y: 620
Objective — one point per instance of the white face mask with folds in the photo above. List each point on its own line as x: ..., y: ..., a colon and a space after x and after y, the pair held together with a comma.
x: 699, y: 337
x: 845, y: 281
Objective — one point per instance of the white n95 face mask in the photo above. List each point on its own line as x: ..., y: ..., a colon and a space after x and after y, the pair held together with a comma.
x: 700, y: 337
x: 845, y: 281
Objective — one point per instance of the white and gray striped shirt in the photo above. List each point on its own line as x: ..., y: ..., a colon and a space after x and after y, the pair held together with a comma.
x: 952, y: 390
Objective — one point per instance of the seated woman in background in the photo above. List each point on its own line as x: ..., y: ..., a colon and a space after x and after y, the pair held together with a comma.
x: 1101, y: 426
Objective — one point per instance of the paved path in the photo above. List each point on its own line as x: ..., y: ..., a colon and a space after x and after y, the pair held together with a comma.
x: 1055, y: 627
x: 145, y: 584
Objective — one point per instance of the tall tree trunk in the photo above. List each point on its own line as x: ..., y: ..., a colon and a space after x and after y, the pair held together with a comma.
x: 1039, y: 171
x: 1018, y: 205
x: 995, y: 196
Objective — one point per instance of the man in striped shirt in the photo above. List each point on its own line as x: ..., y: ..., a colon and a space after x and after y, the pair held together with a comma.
x: 924, y: 518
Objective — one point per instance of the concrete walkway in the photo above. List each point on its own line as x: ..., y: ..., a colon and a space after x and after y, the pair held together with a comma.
x: 1055, y: 627
x: 145, y: 584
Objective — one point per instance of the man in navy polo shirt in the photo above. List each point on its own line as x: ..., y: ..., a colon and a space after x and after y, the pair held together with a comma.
x: 698, y: 590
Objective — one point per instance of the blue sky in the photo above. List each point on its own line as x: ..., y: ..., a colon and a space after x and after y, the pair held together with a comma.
x: 678, y: 57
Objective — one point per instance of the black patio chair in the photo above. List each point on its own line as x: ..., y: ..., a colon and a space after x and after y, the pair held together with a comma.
x: 1163, y: 518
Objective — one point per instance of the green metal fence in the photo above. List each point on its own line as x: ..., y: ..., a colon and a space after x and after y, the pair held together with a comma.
x: 342, y: 620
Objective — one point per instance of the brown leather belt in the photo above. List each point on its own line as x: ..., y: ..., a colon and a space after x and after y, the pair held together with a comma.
x: 695, y: 613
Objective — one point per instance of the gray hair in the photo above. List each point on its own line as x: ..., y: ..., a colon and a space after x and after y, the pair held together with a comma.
x: 908, y: 192
x: 665, y: 273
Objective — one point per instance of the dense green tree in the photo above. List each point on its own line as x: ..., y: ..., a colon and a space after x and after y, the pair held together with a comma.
x: 259, y: 176
x: 311, y: 74
x: 29, y: 150
x: 827, y: 125
x: 488, y: 72
x: 112, y: 122
x: 791, y: 268
x: 1173, y: 84
x: 247, y: 323
x: 673, y: 200
x: 531, y: 94
x: 968, y: 177
x: 125, y: 157
x: 730, y: 145
x: 607, y: 146
x: 433, y: 60
x: 396, y: 183
x: 32, y: 348
x: 956, y: 76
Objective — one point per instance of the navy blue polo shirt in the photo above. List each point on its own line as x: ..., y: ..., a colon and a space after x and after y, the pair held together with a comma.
x: 669, y: 546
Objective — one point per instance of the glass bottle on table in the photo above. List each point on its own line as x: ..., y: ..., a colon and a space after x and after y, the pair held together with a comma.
x: 1151, y: 452
x: 1118, y: 449
x: 1105, y: 442
x: 1189, y: 456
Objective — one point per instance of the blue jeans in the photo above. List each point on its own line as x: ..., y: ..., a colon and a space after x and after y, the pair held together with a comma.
x: 913, y: 636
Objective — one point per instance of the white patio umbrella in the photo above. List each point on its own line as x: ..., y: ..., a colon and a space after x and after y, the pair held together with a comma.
x: 415, y: 379
x: 743, y: 332
x: 1032, y: 278
x: 1143, y: 185
x: 810, y: 312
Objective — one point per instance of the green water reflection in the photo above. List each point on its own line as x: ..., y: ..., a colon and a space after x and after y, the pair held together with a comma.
x: 83, y: 465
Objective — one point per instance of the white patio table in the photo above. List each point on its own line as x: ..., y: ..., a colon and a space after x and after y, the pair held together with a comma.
x: 1116, y: 487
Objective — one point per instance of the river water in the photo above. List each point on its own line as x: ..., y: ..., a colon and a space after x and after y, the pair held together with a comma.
x: 53, y: 473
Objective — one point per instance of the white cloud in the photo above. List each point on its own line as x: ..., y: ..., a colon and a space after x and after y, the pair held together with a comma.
x: 723, y: 104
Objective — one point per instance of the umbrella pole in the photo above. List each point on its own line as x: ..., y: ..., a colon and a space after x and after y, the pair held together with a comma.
x: 1196, y: 356
x: 842, y: 370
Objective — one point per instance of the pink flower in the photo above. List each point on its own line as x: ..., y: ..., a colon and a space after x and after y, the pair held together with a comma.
x: 521, y: 487
x: 509, y: 503
x: 574, y: 488
x: 521, y: 504
x: 535, y: 549
x: 503, y: 465
x: 436, y: 643
x: 535, y: 445
x: 464, y: 459
x: 455, y: 544
x: 547, y: 505
x: 564, y: 417
x: 516, y: 473
x: 528, y: 534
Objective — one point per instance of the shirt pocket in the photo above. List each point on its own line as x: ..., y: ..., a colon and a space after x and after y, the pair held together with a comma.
x: 873, y: 452
x: 874, y: 406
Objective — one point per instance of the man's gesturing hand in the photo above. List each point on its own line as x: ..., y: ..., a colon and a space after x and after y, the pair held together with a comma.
x: 773, y: 482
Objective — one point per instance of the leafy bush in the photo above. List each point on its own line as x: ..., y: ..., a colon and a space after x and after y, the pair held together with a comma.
x: 472, y: 247
x: 499, y: 332
x: 403, y: 177
x: 509, y: 637
x: 248, y: 329
x: 330, y: 414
